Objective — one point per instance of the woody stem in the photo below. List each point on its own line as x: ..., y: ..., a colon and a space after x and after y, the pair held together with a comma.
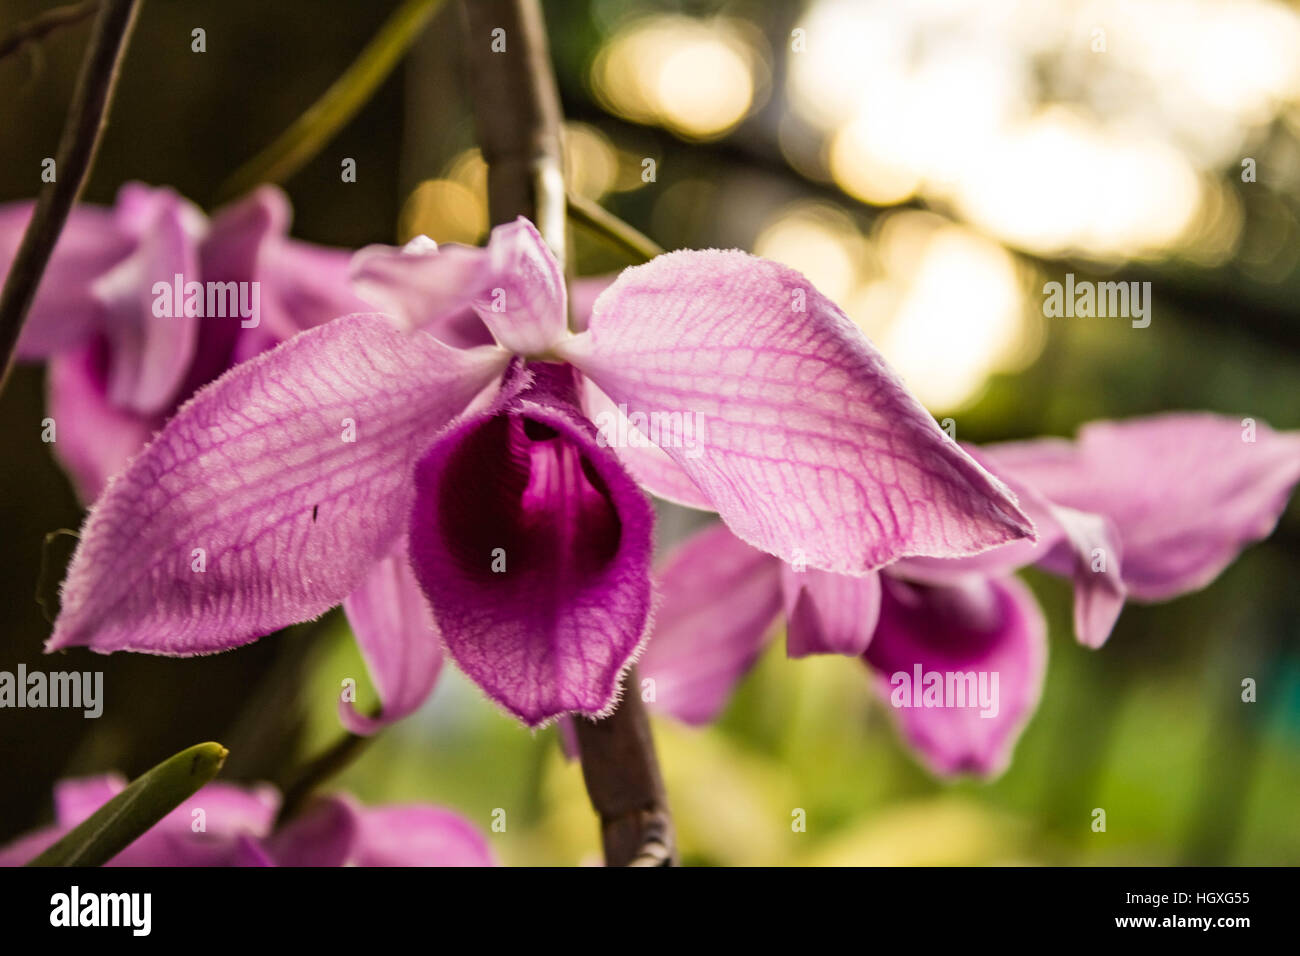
x: 517, y: 114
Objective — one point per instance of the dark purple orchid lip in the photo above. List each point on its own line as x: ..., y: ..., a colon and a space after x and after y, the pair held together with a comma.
x: 533, y: 546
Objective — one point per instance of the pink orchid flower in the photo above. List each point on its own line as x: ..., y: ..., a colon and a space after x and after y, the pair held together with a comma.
x: 224, y: 825
x: 126, y: 342
x: 455, y: 493
x: 1147, y: 509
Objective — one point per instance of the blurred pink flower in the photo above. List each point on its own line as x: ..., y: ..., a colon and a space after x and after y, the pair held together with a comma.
x: 225, y: 825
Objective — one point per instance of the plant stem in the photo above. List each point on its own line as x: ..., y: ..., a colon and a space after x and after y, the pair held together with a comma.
x: 309, y: 133
x: 45, y: 23
x: 73, y: 159
x: 341, y: 753
x: 597, y: 219
x: 624, y: 784
x: 517, y: 113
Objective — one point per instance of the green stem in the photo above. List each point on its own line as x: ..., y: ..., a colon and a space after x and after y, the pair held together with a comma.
x: 598, y: 220
x: 308, y: 134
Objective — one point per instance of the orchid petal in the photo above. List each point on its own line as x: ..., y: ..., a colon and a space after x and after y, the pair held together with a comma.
x: 828, y: 613
x: 301, y: 285
x: 1089, y: 552
x: 325, y: 833
x: 267, y: 498
x: 1082, y: 546
x: 95, y: 438
x: 513, y: 284
x: 151, y: 352
x: 644, y: 460
x: 419, y: 835
x: 398, y: 639
x: 812, y: 449
x: 231, y: 817
x: 720, y: 599
x: 64, y: 311
x: 533, y: 546
x: 1187, y: 491
x: 983, y: 630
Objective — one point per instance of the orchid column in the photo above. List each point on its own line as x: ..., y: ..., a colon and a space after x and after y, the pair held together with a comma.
x: 517, y: 113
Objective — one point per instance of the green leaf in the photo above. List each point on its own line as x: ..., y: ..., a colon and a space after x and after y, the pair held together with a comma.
x: 346, y: 95
x: 149, y: 798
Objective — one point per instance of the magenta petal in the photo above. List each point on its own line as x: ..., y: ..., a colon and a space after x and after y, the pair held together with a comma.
x: 398, y: 639
x: 283, y: 481
x: 301, y: 285
x: 719, y: 598
x: 970, y: 636
x: 94, y: 438
x: 65, y: 310
x: 1089, y: 553
x: 1079, y: 545
x: 325, y: 833
x: 228, y: 816
x: 525, y: 304
x: 828, y: 613
x: 812, y: 448
x: 29, y: 846
x: 513, y: 284
x: 1187, y: 492
x: 417, y: 835
x: 150, y: 353
x: 533, y: 546
x: 211, y: 828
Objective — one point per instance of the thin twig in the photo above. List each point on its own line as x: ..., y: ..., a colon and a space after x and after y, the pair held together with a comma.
x: 75, y: 155
x: 45, y: 23
x: 590, y: 214
x: 517, y: 113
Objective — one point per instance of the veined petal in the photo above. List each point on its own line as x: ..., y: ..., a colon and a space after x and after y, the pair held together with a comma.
x: 645, y: 461
x: 1187, y: 491
x: 1082, y: 546
x: 828, y: 613
x: 961, y: 667
x: 719, y: 599
x: 268, y: 497
x: 398, y: 639
x: 533, y: 547
x: 812, y: 449
x: 513, y: 284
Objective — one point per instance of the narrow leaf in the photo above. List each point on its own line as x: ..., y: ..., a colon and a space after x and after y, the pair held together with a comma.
x: 149, y: 798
